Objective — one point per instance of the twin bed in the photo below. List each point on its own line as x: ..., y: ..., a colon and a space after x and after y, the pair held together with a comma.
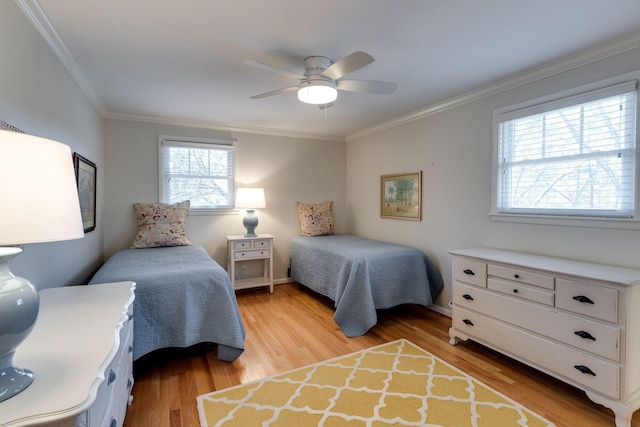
x: 183, y: 297
x: 361, y: 275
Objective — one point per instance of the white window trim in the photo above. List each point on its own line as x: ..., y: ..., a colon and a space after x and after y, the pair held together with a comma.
x: 562, y: 220
x: 193, y: 142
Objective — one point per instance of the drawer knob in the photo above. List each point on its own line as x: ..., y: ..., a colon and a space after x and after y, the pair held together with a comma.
x: 112, y: 377
x: 583, y: 299
x: 585, y: 335
x: 468, y: 322
x: 467, y: 297
x: 515, y: 291
x: 517, y: 276
x: 469, y: 272
x: 585, y: 370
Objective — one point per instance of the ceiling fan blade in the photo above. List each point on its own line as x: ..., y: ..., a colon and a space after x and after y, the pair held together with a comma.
x: 348, y: 64
x: 274, y: 69
x: 325, y: 106
x: 369, y: 86
x: 275, y: 92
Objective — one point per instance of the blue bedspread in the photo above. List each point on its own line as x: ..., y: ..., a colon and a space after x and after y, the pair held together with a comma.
x: 183, y: 297
x: 361, y: 275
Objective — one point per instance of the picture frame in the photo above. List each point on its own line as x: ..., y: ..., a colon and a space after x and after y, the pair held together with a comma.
x: 401, y: 196
x: 86, y: 181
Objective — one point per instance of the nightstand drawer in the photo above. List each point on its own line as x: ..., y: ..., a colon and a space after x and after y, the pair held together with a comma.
x: 262, y: 244
x: 266, y: 253
x: 246, y: 244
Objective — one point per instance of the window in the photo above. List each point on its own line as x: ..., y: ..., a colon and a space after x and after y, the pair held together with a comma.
x: 198, y: 170
x: 575, y: 156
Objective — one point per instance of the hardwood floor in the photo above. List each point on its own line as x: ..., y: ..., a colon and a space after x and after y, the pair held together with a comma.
x: 294, y: 327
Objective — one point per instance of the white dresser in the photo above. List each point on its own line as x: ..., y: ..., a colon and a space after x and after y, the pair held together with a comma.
x: 577, y: 321
x: 80, y: 352
x: 241, y: 251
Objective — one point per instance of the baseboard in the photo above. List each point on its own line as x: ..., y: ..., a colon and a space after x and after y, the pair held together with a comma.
x: 441, y: 310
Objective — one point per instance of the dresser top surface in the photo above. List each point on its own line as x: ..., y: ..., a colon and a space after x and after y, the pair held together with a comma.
x: 570, y: 267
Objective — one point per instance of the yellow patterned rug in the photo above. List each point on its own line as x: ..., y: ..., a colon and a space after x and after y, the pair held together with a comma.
x: 393, y: 384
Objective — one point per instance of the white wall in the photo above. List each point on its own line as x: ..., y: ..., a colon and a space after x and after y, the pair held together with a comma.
x: 453, y: 148
x: 39, y: 96
x: 289, y: 169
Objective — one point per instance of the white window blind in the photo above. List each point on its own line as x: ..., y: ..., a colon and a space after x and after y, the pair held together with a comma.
x: 201, y: 171
x: 575, y: 156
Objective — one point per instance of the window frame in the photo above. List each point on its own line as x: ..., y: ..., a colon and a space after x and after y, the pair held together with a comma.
x: 209, y: 143
x: 565, y: 99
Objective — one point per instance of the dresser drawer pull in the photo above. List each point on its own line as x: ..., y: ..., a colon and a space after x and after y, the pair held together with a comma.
x: 582, y: 298
x: 112, y: 377
x: 585, y: 370
x: 467, y: 297
x: 585, y: 335
x: 517, y: 276
x: 468, y: 322
x: 515, y: 291
x: 469, y: 272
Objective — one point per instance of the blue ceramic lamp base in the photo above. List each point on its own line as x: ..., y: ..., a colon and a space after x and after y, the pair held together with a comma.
x: 250, y: 222
x: 19, y: 304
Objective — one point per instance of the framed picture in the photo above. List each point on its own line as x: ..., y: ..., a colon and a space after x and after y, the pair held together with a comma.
x: 86, y: 179
x: 401, y: 196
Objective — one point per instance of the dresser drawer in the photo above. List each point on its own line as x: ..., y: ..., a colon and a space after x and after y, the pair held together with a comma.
x: 521, y: 291
x: 252, y: 254
x: 594, y: 337
x: 522, y: 276
x: 594, y: 301
x: 468, y: 271
x: 565, y: 362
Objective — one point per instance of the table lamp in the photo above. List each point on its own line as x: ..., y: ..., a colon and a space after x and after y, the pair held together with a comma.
x: 250, y: 199
x: 39, y: 204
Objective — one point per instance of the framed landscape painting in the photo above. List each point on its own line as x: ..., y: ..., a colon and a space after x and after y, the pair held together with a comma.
x: 401, y: 196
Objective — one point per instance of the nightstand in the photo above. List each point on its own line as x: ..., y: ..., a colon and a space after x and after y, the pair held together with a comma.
x: 240, y: 251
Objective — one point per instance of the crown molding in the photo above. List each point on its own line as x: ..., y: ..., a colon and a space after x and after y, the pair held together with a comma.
x: 230, y: 127
x: 40, y: 20
x: 602, y: 51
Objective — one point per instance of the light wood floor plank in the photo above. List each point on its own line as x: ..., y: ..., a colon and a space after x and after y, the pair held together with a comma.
x: 294, y: 327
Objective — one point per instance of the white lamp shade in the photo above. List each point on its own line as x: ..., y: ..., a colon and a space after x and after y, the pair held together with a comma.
x: 250, y: 198
x: 39, y: 194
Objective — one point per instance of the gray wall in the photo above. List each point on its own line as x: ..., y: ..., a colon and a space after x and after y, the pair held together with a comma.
x: 39, y: 96
x: 289, y: 169
x: 453, y: 148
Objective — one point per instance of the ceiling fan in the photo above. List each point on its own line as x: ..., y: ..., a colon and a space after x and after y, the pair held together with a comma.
x: 322, y: 79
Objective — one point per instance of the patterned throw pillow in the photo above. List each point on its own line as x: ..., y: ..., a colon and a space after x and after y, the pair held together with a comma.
x: 160, y: 225
x: 316, y: 220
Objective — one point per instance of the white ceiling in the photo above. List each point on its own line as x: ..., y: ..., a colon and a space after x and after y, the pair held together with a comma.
x: 183, y: 60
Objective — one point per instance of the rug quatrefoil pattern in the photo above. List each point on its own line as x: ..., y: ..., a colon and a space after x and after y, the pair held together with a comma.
x: 393, y: 384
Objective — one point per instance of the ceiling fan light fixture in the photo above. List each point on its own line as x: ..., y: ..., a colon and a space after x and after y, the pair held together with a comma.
x: 317, y: 92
